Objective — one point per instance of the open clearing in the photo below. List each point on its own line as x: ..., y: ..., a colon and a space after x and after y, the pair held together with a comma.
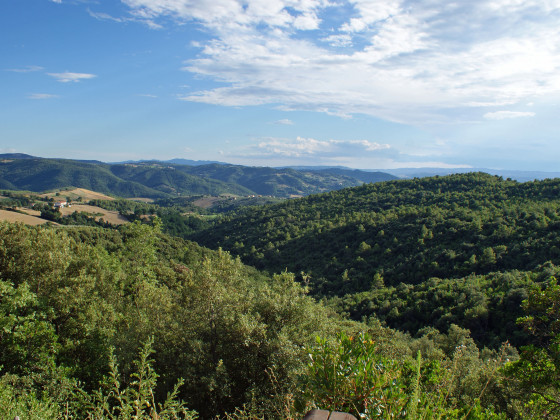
x: 142, y: 199
x: 89, y: 195
x: 76, y: 193
x: 29, y: 211
x: 110, y: 216
x: 207, y: 202
x: 12, y: 216
x: 30, y: 218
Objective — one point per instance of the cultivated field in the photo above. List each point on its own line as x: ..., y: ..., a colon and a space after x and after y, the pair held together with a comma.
x: 11, y: 216
x: 76, y: 193
x: 29, y: 211
x: 110, y: 216
x: 207, y: 202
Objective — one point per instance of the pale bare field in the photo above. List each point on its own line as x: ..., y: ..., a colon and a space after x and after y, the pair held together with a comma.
x: 78, y: 192
x: 206, y: 202
x: 29, y: 211
x: 13, y: 217
x: 90, y: 195
x: 110, y: 216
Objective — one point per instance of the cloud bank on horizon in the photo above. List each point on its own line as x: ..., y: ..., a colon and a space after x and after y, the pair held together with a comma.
x: 407, y: 61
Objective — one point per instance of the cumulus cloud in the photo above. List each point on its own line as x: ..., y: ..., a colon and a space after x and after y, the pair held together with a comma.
x: 308, y: 147
x: 274, y: 151
x: 403, y: 60
x: 503, y: 115
x: 338, y: 40
x: 68, y: 77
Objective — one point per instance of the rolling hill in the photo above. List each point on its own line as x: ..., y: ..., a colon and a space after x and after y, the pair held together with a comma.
x: 37, y: 174
x: 155, y: 179
x: 410, y: 252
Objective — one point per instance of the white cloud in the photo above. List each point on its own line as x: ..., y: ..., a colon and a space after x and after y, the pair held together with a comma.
x: 405, y: 60
x: 339, y: 40
x: 308, y: 21
x: 309, y: 147
x: 284, y: 122
x: 371, y: 12
x: 311, y: 151
x: 232, y: 14
x: 105, y: 16
x: 41, y: 96
x: 71, y: 77
x: 503, y: 115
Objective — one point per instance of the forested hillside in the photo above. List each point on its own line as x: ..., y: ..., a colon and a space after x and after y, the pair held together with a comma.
x: 287, y: 182
x: 88, y: 293
x: 38, y: 175
x: 130, y: 322
x: 369, y: 241
x: 165, y: 179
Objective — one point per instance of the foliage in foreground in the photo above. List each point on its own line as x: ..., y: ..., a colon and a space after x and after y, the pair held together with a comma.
x: 76, y: 303
x: 67, y: 297
x: 113, y: 400
x: 352, y: 375
x: 535, y: 377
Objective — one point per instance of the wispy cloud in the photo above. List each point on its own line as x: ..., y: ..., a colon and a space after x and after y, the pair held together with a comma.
x: 274, y: 151
x: 26, y: 69
x: 147, y: 95
x: 41, y: 96
x: 308, y: 147
x: 105, y: 16
x: 404, y: 60
x: 284, y: 122
x: 503, y: 115
x: 68, y: 77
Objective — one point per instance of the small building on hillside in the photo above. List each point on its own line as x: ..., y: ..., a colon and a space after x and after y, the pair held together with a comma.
x: 60, y: 204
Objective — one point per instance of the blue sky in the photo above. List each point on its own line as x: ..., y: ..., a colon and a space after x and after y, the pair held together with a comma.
x: 371, y: 84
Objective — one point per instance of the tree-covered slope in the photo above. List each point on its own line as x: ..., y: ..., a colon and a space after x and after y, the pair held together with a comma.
x: 37, y: 174
x: 403, y: 231
x: 89, y: 320
x: 428, y: 252
x: 219, y: 325
x: 161, y: 179
x: 173, y: 180
x: 363, y: 176
x: 286, y: 182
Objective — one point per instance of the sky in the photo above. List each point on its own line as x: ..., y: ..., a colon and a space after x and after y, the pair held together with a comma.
x: 368, y: 84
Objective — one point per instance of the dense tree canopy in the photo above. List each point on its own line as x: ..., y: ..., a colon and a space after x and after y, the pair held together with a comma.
x: 437, y: 274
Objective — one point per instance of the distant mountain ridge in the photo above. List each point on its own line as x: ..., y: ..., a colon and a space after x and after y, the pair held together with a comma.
x: 518, y: 175
x: 16, y: 156
x: 159, y: 179
x: 176, y: 161
x: 183, y: 177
